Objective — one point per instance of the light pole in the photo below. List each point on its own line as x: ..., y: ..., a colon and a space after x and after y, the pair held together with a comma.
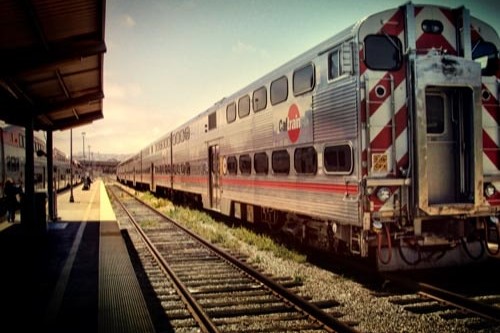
x: 83, y: 136
x: 71, y: 199
x: 90, y: 162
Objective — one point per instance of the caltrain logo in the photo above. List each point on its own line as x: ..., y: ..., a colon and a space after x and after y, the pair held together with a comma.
x: 291, y: 124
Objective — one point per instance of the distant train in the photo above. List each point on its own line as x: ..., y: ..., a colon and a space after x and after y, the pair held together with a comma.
x: 12, y: 163
x: 383, y: 141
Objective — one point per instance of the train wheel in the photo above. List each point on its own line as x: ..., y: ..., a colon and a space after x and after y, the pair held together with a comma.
x: 273, y: 219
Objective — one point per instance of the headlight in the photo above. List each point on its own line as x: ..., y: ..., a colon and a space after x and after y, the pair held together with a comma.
x: 489, y: 190
x: 383, y: 194
x: 377, y: 226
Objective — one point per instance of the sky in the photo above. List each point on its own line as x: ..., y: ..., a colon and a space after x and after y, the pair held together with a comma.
x: 169, y: 60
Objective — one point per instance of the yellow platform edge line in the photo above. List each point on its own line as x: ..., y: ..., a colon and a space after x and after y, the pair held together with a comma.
x: 106, y: 211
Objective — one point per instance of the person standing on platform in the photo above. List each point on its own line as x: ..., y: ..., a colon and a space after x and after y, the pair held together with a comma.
x: 86, y: 182
x: 10, y: 192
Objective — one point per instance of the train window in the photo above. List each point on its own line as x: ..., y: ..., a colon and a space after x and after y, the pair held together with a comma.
x: 259, y: 99
x: 245, y: 164
x: 434, y: 105
x: 244, y: 106
x: 14, y: 164
x: 21, y: 140
x: 338, y: 159
x: 279, y: 90
x: 383, y: 52
x: 212, y: 121
x: 261, y: 163
x: 281, y: 161
x: 303, y: 80
x: 38, y: 178
x: 486, y: 54
x: 305, y: 160
x: 231, y: 112
x: 334, y: 65
x: 232, y: 165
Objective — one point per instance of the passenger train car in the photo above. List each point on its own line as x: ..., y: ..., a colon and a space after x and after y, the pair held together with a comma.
x: 12, y: 162
x: 382, y: 140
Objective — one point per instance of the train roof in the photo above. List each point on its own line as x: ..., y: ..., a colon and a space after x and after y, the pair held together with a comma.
x: 303, y: 58
x: 7, y: 128
x: 38, y: 136
x: 271, y: 75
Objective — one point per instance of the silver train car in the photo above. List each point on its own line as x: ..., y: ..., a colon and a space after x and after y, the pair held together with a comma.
x: 13, y: 160
x: 383, y: 141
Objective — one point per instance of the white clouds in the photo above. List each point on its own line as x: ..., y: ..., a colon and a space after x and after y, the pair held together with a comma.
x: 157, y: 132
x: 127, y: 21
x: 114, y: 91
x: 122, y: 91
x: 243, y: 48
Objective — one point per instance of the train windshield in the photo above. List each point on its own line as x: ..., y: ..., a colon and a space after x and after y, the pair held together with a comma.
x: 486, y: 54
x: 383, y: 52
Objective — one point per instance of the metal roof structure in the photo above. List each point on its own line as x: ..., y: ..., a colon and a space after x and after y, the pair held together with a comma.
x: 51, y: 62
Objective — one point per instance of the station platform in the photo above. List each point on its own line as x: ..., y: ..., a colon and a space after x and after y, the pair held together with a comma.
x: 75, y: 277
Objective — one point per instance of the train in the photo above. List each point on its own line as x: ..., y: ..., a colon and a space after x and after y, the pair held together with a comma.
x: 13, y: 160
x: 381, y: 142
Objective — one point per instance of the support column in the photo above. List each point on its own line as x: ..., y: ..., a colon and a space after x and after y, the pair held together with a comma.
x: 28, y: 205
x: 50, y: 177
x: 33, y: 214
x: 71, y: 198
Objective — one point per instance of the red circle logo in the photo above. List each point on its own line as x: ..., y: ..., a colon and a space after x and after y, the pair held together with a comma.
x: 293, y: 123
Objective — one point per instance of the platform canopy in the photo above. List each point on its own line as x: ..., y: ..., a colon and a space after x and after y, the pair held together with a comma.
x: 51, y: 62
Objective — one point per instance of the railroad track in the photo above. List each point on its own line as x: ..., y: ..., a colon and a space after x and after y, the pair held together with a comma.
x: 478, y: 312
x: 199, y: 285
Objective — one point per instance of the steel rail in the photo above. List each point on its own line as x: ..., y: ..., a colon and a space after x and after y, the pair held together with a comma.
x: 481, y: 309
x: 461, y: 302
x: 329, y: 322
x: 199, y: 315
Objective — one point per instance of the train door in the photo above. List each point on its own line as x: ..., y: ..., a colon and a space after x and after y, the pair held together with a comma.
x: 447, y: 112
x: 214, y: 177
x: 133, y: 177
x: 171, y: 163
x: 449, y: 145
x: 153, y: 187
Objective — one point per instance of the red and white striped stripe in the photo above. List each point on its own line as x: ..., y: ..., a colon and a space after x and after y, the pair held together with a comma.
x: 426, y: 41
x: 380, y: 113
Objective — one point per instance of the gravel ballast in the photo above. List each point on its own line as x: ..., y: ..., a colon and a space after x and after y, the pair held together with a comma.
x: 358, y: 304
